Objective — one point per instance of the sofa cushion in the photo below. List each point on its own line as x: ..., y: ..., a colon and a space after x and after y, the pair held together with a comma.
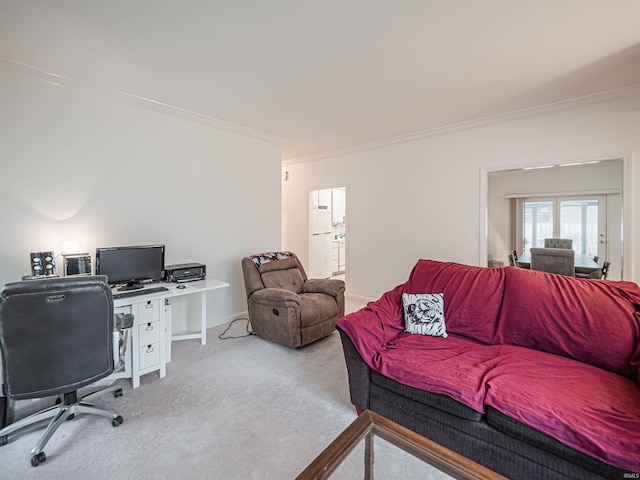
x: 456, y: 367
x: 473, y: 295
x: 435, y: 400
x: 424, y: 314
x: 594, y: 411
x: 596, y: 322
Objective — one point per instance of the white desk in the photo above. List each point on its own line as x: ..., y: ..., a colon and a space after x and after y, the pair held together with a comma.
x: 149, y: 342
x: 190, y: 288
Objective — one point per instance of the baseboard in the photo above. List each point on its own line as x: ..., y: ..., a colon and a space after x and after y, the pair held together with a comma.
x: 358, y: 298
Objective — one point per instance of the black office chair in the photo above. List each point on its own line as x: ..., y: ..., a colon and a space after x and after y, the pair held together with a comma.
x: 56, y: 336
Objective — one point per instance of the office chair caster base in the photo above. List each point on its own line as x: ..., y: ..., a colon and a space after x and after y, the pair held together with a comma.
x: 4, y: 439
x: 116, y: 422
x: 38, y: 459
x: 58, y: 402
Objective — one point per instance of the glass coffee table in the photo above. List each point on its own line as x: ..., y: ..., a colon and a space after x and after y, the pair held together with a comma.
x: 398, y: 452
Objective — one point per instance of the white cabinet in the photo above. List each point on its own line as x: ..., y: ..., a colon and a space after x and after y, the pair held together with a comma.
x: 338, y: 204
x: 335, y: 257
x: 148, y: 341
x: 149, y: 324
x: 145, y: 341
x: 338, y: 264
x: 324, y: 198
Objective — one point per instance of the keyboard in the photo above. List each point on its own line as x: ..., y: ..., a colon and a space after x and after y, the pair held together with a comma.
x: 142, y: 291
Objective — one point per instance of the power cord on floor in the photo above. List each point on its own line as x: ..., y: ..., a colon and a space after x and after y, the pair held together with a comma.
x: 248, y: 334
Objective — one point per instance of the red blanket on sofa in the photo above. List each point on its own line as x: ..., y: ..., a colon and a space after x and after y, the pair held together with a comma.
x: 558, y: 354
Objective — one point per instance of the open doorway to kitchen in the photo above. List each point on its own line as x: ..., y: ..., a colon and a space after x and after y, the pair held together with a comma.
x: 328, y: 233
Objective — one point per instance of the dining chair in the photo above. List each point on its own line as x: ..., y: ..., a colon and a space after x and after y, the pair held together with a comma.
x: 595, y: 274
x: 553, y: 260
x: 605, y: 270
x: 558, y: 243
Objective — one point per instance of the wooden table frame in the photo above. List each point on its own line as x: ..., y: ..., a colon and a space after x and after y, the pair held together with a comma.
x: 367, y: 426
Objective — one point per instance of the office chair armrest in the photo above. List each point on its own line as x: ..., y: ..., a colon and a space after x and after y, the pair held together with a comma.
x: 275, y: 295
x: 326, y: 286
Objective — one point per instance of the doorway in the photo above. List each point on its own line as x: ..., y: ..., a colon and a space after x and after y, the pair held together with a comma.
x: 328, y: 233
x: 569, y: 189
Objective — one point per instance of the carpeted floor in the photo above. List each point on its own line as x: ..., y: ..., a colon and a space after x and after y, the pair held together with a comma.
x: 239, y: 408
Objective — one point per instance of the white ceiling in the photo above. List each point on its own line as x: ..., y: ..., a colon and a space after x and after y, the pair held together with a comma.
x: 329, y: 75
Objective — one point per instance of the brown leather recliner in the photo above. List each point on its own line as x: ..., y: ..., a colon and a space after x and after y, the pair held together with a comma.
x: 284, y: 305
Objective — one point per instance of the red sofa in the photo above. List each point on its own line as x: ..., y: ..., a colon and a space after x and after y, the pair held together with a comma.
x: 537, y: 378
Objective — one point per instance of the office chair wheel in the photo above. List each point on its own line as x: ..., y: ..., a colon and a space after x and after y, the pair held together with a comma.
x: 116, y: 422
x: 4, y: 439
x: 117, y: 393
x: 38, y: 459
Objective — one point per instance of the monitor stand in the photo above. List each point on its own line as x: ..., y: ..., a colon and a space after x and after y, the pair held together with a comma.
x: 131, y: 286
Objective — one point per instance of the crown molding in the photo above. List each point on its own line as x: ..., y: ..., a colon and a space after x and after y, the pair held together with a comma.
x: 611, y: 96
x: 79, y: 86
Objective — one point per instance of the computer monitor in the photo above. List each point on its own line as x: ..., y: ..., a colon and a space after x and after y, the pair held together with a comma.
x: 131, y: 266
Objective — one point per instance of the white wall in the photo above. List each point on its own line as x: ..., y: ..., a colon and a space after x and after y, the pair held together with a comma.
x: 78, y: 165
x: 420, y: 198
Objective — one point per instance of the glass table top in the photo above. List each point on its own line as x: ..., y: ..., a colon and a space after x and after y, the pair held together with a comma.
x: 375, y: 447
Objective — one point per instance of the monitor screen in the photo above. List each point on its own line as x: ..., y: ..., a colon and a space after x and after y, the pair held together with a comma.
x: 130, y: 265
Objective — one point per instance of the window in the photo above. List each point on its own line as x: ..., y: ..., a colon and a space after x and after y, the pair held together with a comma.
x: 582, y: 219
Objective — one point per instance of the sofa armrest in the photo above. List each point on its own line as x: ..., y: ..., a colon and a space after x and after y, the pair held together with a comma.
x: 326, y: 286
x: 358, y: 373
x: 373, y: 326
x: 275, y: 296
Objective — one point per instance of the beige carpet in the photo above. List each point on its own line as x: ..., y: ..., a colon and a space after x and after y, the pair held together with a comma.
x: 232, y: 409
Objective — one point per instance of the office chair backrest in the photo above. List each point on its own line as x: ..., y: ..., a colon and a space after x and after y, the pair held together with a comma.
x: 56, y: 335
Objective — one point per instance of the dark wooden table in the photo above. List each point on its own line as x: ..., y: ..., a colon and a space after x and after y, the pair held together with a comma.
x: 583, y: 263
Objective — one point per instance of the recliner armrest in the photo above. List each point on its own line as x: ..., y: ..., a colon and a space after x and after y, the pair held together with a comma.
x: 326, y: 286
x: 274, y: 295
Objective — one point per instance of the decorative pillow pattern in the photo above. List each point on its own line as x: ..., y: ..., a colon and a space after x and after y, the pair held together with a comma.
x: 262, y: 258
x: 424, y: 314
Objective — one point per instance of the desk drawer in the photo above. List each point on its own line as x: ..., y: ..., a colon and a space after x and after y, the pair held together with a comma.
x: 148, y: 333
x: 148, y: 312
x: 149, y: 355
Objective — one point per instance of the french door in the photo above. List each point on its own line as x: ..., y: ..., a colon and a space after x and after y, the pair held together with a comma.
x: 580, y: 218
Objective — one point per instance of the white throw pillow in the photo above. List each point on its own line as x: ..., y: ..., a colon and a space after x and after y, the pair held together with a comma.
x: 424, y: 314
